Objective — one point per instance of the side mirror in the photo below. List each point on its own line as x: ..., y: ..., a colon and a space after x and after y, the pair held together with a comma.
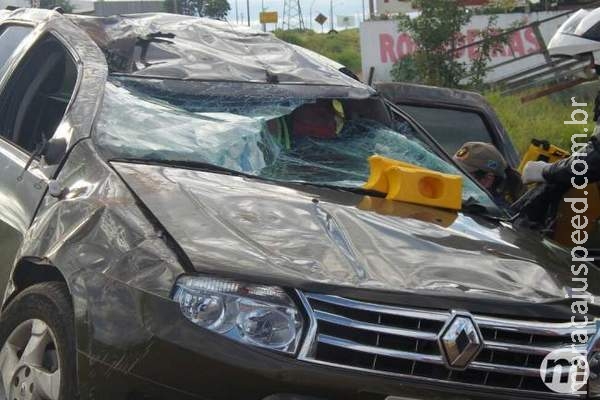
x: 54, y: 151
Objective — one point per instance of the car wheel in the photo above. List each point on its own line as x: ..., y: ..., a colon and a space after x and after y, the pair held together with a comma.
x: 37, y: 345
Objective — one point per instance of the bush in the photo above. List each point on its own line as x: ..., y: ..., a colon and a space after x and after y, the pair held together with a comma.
x: 293, y: 37
x: 437, y: 34
x: 405, y: 70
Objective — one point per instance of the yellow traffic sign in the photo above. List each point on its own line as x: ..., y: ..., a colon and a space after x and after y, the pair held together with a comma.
x: 269, y: 17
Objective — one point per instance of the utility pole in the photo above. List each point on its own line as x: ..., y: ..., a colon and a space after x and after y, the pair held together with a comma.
x: 363, y: 10
x: 371, y: 9
x: 248, y: 10
x: 262, y: 10
x: 331, y: 13
x: 237, y: 13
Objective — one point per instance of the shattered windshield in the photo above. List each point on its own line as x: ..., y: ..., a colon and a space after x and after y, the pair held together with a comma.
x: 271, y: 135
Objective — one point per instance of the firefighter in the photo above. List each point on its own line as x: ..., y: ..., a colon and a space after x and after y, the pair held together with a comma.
x: 323, y: 119
x: 485, y: 163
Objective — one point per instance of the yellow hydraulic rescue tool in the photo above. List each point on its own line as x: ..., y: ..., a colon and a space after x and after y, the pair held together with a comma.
x: 540, y: 150
x: 414, y: 184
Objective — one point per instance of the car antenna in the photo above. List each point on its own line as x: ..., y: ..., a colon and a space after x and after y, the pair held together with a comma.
x: 272, y: 78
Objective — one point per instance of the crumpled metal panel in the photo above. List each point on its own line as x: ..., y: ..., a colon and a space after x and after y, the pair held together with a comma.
x: 107, y: 249
x: 205, y: 49
x: 93, y: 73
x: 115, y: 260
x: 235, y: 226
x: 35, y: 15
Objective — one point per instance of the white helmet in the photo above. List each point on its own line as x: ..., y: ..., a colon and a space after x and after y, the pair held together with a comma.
x: 578, y: 35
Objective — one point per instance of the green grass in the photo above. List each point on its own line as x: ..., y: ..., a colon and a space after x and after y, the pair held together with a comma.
x: 342, y: 47
x: 540, y: 119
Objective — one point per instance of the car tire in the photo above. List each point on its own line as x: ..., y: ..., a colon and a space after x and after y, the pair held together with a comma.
x: 37, y: 345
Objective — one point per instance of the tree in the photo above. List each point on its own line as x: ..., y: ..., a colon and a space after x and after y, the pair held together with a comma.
x: 437, y: 34
x: 216, y: 9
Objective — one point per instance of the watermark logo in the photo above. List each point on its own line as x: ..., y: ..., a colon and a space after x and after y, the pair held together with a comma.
x: 565, y: 371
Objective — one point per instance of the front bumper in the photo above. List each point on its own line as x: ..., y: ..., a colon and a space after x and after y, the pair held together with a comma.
x: 167, y: 357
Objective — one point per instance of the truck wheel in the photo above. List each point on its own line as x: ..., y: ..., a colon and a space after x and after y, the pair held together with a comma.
x: 37, y: 345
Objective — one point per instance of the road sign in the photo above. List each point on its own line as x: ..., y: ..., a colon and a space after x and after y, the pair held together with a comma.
x: 346, y: 21
x: 269, y: 17
x: 321, y: 19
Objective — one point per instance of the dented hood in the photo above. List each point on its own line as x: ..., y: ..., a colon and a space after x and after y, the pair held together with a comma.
x: 308, y: 237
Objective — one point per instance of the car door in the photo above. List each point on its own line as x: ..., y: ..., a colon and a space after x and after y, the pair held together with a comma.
x: 14, y: 215
x: 452, y: 117
x: 29, y: 115
x: 451, y: 127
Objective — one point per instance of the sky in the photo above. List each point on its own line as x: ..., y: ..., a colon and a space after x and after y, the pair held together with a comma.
x: 340, y: 7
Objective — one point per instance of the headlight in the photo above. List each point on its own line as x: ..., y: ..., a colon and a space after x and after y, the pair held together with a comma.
x: 262, y: 316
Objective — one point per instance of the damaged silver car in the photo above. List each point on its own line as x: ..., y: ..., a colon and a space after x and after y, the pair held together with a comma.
x: 182, y: 216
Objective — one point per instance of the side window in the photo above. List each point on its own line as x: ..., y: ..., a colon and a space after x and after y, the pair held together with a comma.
x: 11, y: 37
x: 450, y: 128
x: 36, y: 97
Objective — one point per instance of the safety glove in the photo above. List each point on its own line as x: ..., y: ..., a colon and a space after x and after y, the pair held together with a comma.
x: 534, y: 172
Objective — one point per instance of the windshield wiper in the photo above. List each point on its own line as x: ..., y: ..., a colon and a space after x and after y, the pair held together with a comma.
x: 196, y: 165
x: 471, y: 205
x: 207, y: 167
x: 356, y: 190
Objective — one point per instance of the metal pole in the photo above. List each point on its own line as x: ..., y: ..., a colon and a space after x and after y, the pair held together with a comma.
x: 371, y: 9
x: 331, y: 13
x: 237, y: 14
x: 262, y: 4
x: 248, y: 10
x: 363, y: 10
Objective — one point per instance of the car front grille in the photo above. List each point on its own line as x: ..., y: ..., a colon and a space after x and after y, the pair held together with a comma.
x: 404, y: 342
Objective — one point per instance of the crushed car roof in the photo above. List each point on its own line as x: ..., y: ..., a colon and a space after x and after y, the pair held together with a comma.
x: 183, y: 47
x: 179, y: 47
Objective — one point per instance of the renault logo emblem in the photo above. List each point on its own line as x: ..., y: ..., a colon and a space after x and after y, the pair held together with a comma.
x: 460, y: 341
